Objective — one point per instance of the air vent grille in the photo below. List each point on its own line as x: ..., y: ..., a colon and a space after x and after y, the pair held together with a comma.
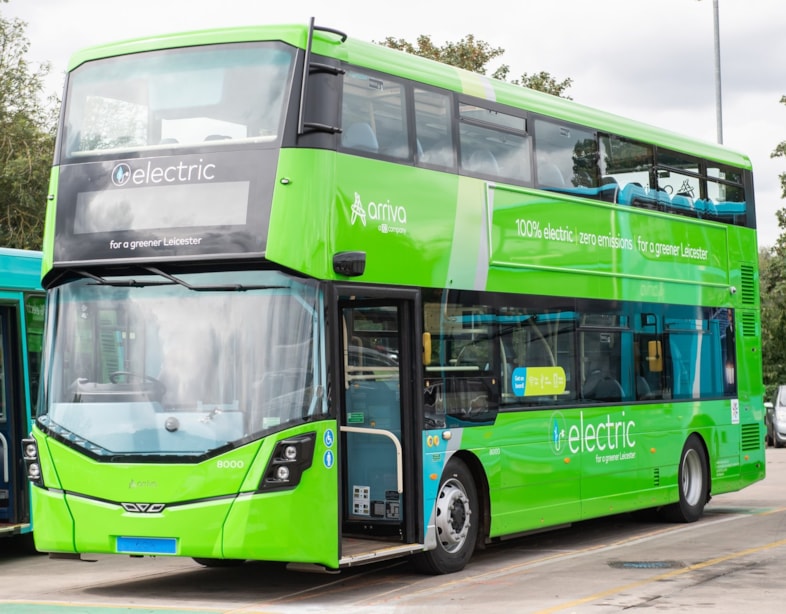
x: 748, y: 282
x: 749, y: 324
x: 751, y: 437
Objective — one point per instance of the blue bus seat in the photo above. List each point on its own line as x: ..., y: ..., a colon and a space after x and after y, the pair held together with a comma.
x: 684, y: 203
x: 634, y: 194
x: 603, y: 387
x: 727, y: 208
x: 609, y: 189
x: 662, y: 199
x: 398, y: 147
x: 360, y: 136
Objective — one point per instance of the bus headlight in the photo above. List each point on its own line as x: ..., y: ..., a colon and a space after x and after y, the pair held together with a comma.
x: 290, y: 458
x: 34, y: 472
x: 32, y: 464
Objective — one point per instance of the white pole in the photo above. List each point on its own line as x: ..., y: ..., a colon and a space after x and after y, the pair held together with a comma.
x: 718, y: 108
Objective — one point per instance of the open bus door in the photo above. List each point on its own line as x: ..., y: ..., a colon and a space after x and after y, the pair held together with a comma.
x: 380, y: 392
x: 14, y: 502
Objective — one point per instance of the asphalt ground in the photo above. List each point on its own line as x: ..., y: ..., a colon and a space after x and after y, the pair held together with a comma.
x: 731, y: 561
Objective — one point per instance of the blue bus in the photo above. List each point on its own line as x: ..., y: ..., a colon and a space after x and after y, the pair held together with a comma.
x: 21, y: 330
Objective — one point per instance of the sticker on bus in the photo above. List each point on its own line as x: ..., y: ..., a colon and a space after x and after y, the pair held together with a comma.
x: 536, y: 381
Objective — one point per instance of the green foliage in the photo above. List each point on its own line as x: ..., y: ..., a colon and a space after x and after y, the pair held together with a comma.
x: 779, y: 152
x: 472, y: 54
x: 27, y: 132
x: 772, y: 280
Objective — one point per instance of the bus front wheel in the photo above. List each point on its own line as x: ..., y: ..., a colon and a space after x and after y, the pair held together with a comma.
x: 693, y: 484
x: 457, y: 521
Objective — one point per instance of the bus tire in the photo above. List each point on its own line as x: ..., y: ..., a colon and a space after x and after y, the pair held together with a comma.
x: 693, y: 482
x: 457, y: 521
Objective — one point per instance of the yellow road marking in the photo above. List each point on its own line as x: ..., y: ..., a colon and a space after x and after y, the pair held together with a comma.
x: 664, y: 576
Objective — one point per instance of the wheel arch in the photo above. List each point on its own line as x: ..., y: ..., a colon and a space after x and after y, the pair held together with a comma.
x: 482, y: 486
x: 706, y: 451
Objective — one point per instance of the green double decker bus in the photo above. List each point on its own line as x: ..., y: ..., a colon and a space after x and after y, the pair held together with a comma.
x: 21, y: 330
x: 313, y: 300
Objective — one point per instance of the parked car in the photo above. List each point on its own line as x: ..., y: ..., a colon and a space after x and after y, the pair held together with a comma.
x: 775, y: 418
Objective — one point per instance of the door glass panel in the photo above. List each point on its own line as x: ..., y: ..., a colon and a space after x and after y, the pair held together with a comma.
x: 3, y: 374
x: 372, y: 403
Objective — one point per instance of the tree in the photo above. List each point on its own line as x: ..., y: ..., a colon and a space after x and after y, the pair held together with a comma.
x: 27, y: 131
x: 472, y: 54
x: 780, y: 151
x: 772, y: 287
x: 772, y: 284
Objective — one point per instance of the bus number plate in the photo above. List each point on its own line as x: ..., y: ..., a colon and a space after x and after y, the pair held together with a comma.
x: 146, y: 545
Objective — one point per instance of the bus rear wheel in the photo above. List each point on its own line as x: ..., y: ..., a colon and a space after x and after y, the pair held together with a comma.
x: 456, y: 522
x: 693, y: 480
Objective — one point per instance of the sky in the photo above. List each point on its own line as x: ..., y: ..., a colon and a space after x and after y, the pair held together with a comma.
x: 649, y: 60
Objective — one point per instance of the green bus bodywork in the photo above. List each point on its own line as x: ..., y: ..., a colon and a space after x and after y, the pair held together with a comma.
x: 419, y: 229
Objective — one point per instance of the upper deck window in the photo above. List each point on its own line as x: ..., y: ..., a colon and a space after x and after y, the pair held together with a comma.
x: 374, y: 116
x: 566, y: 159
x: 493, y: 144
x: 177, y: 97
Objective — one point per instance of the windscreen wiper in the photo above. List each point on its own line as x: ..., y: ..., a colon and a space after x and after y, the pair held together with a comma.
x: 209, y: 287
x: 169, y: 280
x: 130, y: 283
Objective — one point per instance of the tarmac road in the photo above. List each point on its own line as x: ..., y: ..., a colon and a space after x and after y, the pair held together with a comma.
x: 731, y: 561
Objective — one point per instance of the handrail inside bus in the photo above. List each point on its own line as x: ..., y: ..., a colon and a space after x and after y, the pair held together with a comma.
x: 396, y: 442
x: 5, y: 457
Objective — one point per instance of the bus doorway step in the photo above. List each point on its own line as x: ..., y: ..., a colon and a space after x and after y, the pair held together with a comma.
x: 356, y: 551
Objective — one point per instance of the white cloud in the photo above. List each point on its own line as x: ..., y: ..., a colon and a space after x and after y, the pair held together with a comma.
x: 651, y: 60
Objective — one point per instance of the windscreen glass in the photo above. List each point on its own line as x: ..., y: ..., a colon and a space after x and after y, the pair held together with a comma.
x: 205, y: 95
x: 161, y: 369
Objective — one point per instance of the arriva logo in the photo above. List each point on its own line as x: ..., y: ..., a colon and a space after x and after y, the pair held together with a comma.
x: 149, y: 174
x: 605, y: 436
x: 391, y: 218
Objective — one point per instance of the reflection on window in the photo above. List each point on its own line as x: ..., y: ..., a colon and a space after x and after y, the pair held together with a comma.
x: 164, y: 99
x: 433, y: 128
x: 34, y: 322
x: 493, y: 144
x: 163, y: 369
x: 373, y: 116
x: 566, y: 160
x: 530, y: 351
x: 670, y: 181
x: 3, y: 367
x: 461, y: 381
